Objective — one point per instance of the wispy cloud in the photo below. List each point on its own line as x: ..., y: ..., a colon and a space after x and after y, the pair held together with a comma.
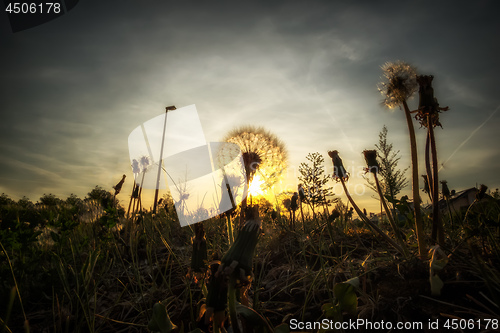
x: 469, y: 137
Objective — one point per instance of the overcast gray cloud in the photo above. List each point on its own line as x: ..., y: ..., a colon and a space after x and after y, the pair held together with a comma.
x: 72, y: 90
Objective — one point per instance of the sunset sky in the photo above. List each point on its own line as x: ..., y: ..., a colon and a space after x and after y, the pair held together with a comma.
x: 73, y: 89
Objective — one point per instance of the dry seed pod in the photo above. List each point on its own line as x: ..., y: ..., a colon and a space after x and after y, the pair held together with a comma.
x: 371, y: 161
x: 338, y: 167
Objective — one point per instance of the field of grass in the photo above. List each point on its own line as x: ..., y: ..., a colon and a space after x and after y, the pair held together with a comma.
x: 79, y: 265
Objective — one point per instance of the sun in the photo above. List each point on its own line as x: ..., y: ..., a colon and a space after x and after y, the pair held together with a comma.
x: 255, y: 188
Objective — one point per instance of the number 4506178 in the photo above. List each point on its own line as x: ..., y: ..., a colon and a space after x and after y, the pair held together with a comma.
x: 33, y: 8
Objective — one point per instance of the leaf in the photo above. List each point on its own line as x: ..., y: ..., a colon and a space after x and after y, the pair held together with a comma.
x: 282, y: 328
x: 329, y: 310
x: 253, y: 318
x: 436, y: 285
x: 345, y: 293
x: 438, y: 259
x: 160, y: 322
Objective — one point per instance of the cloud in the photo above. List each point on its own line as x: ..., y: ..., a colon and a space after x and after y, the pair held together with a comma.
x: 75, y: 88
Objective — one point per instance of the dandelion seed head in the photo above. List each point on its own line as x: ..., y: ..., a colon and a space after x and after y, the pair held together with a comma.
x: 262, y: 151
x: 135, y: 166
x: 398, y: 84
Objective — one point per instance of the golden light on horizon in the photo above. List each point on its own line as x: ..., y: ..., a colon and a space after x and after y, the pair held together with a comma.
x: 255, y: 188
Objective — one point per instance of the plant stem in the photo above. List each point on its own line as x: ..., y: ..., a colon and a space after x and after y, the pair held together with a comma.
x: 419, y: 226
x: 243, y: 209
x: 430, y: 178
x: 131, y: 198
x: 229, y: 229
x: 428, y: 169
x: 436, y: 221
x: 302, y: 216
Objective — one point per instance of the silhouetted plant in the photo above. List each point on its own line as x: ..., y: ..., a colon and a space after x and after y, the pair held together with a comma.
x: 341, y: 175
x: 392, y: 179
x: 398, y: 86
x: 428, y: 116
x: 446, y: 197
x: 262, y: 152
x: 314, y: 182
x: 373, y: 168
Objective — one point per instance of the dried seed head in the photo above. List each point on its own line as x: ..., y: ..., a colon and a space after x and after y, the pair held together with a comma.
x: 135, y: 166
x: 294, y: 201
x: 118, y: 187
x: 302, y: 195
x: 334, y: 215
x: 371, y: 161
x: 482, y: 191
x: 144, y: 163
x: 445, y: 189
x: 339, y: 171
x: 287, y: 203
x: 399, y: 83
x: 428, y: 106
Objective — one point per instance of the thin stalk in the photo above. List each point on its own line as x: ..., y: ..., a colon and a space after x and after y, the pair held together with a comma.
x: 160, y: 161
x: 367, y: 221
x: 430, y: 181
x: 138, y: 204
x: 419, y: 226
x: 428, y: 169
x: 325, y: 207
x: 243, y: 209
x: 436, y: 221
x: 397, y: 232
x: 131, y: 198
x: 302, y: 215
x: 230, y: 235
x: 468, y: 210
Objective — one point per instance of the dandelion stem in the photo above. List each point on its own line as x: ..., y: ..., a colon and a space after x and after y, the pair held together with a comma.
x: 160, y: 161
x: 428, y: 169
x: 437, y: 227
x: 131, y: 198
x: 230, y: 235
x: 419, y: 227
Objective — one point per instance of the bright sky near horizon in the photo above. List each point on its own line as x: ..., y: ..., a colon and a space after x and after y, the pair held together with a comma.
x: 72, y: 89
